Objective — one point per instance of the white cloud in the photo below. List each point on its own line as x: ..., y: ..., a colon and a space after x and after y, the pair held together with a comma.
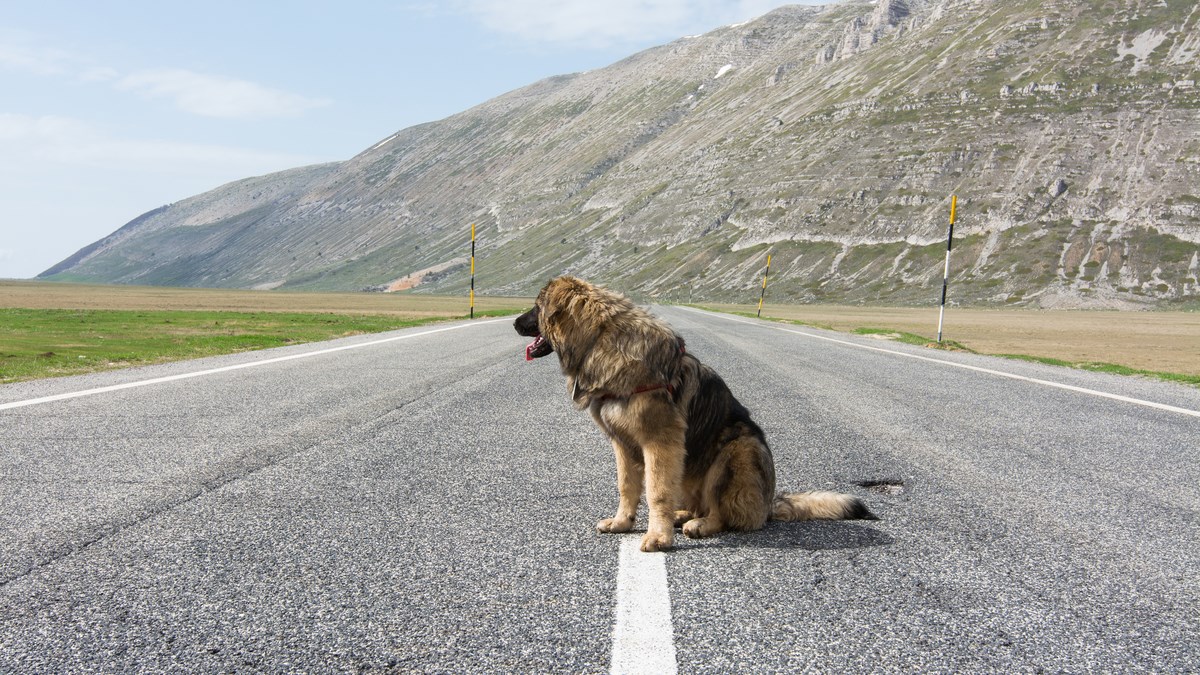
x: 30, y: 59
x: 214, y: 96
x: 31, y: 130
x: 98, y: 74
x: 192, y: 92
x: 27, y: 139
x: 612, y: 23
x: 21, y: 52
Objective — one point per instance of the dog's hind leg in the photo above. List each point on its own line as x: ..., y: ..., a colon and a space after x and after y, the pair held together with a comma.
x: 704, y: 518
x: 738, y: 491
x: 629, y: 485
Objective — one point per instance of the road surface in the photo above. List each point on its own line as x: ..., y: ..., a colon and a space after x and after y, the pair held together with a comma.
x: 424, y: 501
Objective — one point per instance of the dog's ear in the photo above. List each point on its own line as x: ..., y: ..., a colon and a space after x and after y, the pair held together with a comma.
x: 547, y: 301
x: 546, y: 314
x: 562, y: 294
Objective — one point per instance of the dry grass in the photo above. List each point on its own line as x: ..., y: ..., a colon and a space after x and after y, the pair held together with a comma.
x: 48, y: 295
x: 1167, y: 342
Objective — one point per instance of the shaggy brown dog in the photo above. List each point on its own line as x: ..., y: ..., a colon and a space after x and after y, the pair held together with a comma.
x: 674, y: 425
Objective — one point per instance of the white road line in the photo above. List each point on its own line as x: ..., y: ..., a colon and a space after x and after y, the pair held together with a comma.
x: 643, y: 638
x: 225, y: 369
x: 998, y: 373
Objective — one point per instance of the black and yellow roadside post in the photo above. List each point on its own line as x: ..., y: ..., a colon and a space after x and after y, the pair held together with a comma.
x: 472, y: 270
x: 946, y: 274
x: 764, y: 288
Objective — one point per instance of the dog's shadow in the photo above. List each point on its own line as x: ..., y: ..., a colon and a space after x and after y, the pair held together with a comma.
x: 808, y: 536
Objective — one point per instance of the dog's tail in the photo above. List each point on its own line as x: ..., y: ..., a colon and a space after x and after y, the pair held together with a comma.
x: 821, y: 505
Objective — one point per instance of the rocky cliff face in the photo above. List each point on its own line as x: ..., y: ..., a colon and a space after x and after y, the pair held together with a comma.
x: 831, y: 136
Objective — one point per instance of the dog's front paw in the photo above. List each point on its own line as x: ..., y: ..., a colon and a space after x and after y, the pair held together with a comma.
x: 615, y: 525
x: 658, y: 541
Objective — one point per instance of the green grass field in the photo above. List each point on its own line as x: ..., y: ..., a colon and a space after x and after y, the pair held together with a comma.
x: 49, y: 330
x: 37, y: 343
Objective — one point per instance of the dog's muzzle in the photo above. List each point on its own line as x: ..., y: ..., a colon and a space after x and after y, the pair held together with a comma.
x: 527, y: 325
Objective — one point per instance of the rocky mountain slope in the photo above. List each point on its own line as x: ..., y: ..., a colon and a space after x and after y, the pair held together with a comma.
x: 830, y: 136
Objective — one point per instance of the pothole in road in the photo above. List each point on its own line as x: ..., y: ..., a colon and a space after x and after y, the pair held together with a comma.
x: 886, y: 487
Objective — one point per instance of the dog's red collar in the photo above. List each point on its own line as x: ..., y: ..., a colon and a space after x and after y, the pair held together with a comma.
x: 640, y: 390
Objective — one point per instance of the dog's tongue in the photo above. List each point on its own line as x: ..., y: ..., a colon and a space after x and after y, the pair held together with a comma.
x: 537, y: 341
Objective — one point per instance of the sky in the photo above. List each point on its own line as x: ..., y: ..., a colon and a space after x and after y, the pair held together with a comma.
x: 110, y: 109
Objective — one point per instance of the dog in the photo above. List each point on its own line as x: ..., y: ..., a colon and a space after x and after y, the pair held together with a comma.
x: 675, y: 426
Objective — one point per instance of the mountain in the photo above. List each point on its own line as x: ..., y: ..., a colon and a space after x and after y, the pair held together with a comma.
x: 831, y: 137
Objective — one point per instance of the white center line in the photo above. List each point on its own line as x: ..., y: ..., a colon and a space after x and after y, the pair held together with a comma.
x: 643, y: 638
x: 251, y: 364
x: 989, y: 371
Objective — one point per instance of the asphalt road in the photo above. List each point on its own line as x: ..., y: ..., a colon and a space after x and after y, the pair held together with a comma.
x: 426, y: 504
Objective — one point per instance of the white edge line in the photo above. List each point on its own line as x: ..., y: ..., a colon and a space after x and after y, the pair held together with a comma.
x: 643, y: 637
x: 999, y: 373
x: 225, y: 369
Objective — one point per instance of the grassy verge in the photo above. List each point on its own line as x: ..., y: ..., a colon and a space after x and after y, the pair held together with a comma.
x: 882, y: 333
x: 951, y: 345
x: 1112, y: 368
x: 37, y: 343
x: 911, y: 339
x: 754, y: 315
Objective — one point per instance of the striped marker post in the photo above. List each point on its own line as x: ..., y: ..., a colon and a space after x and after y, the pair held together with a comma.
x: 766, y: 272
x: 472, y: 270
x: 946, y: 273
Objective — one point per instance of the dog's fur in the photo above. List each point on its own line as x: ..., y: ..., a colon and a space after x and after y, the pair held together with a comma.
x: 674, y: 424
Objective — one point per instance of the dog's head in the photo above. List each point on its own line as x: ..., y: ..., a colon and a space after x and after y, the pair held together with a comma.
x: 605, y: 344
x: 553, y: 322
